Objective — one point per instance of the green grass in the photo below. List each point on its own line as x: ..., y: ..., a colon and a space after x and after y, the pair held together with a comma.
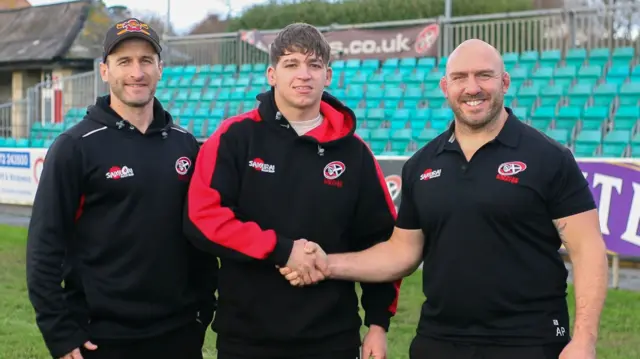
x: 20, y: 338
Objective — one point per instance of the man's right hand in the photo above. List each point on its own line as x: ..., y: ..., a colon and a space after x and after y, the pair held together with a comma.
x: 308, y: 260
x: 75, y: 354
x: 318, y: 271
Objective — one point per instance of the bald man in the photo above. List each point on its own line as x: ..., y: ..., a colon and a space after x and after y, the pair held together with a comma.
x: 486, y: 206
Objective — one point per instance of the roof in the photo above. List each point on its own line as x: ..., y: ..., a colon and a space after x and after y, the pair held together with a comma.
x: 13, y: 4
x: 41, y: 33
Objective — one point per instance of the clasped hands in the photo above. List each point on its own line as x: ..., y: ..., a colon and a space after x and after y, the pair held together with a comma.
x: 308, y: 264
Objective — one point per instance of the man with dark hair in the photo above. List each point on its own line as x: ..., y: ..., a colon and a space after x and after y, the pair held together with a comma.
x: 272, y: 178
x: 107, y: 221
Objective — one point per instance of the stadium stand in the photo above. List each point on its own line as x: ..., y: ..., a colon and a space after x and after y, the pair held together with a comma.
x: 585, y: 99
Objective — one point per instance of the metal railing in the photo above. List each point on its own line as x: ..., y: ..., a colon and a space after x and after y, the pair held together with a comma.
x: 604, y: 26
x: 587, y: 27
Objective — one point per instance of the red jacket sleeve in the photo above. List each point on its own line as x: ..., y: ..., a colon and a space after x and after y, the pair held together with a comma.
x: 212, y: 220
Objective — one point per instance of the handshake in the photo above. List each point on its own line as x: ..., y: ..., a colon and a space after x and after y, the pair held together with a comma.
x: 307, y: 264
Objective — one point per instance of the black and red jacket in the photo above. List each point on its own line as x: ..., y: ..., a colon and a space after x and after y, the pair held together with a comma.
x: 258, y: 186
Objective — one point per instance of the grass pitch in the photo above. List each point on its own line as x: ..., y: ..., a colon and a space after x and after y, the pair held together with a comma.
x: 20, y: 338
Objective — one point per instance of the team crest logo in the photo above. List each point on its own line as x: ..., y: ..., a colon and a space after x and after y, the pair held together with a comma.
x: 132, y: 26
x: 182, y: 165
x: 334, y: 170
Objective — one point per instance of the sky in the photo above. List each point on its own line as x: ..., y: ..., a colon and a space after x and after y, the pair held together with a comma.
x: 184, y: 13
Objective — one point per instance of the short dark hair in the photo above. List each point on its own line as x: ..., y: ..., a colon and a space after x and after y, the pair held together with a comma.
x: 302, y: 38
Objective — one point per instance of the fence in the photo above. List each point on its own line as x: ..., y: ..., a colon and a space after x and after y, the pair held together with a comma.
x: 587, y: 27
x: 603, y: 26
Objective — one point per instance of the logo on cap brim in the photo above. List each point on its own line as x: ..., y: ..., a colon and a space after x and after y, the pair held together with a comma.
x: 132, y: 26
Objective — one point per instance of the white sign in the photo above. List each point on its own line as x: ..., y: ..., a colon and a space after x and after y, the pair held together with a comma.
x: 20, y: 170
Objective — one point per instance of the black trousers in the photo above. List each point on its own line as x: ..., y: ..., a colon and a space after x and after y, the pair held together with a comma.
x: 183, y: 343
x: 425, y: 348
x: 344, y: 354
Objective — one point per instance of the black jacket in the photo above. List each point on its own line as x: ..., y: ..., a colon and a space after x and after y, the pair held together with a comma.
x: 258, y: 186
x: 107, y: 220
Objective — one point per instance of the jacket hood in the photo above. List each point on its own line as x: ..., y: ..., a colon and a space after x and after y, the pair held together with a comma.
x: 339, y: 120
x: 102, y: 113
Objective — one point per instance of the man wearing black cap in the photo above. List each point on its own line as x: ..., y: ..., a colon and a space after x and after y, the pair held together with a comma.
x: 107, y: 221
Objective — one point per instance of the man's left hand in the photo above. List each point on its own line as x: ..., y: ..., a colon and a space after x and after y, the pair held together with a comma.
x: 579, y: 350
x: 374, y: 344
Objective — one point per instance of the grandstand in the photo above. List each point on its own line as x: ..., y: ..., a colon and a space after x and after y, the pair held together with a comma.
x: 585, y: 99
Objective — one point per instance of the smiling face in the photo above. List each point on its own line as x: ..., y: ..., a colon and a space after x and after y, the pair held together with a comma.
x: 299, y: 79
x: 132, y: 70
x: 475, y: 84
x: 299, y: 69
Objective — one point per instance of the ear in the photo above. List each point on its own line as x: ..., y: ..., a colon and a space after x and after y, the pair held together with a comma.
x: 506, y: 82
x: 161, y: 67
x: 271, y: 76
x: 104, y: 68
x: 443, y: 85
x: 327, y: 83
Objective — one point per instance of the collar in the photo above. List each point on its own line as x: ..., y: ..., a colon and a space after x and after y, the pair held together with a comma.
x: 509, y: 135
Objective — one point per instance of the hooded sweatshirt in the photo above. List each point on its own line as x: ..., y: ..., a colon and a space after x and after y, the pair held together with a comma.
x: 107, y: 220
x: 256, y: 188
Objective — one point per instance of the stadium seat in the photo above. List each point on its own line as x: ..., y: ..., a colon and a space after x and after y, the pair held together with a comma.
x: 626, y: 118
x: 587, y: 143
x: 615, y: 143
x: 561, y: 135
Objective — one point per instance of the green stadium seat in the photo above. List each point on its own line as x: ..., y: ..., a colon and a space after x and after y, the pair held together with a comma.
x: 542, y: 117
x: 391, y: 63
x: 604, y: 94
x: 626, y: 117
x: 594, y: 117
x: 510, y: 58
x: 568, y: 117
x: 587, y: 143
x: 629, y: 93
x: 432, y: 80
x: 529, y: 57
x: 599, y: 56
x: 364, y: 133
x: 427, y: 135
x: 435, y: 98
x: 590, y: 72
x: 623, y: 54
x: 376, y: 78
x: 565, y: 75
x: 551, y: 95
x: 421, y: 114
x: 550, y: 58
x: 541, y: 76
x: 374, y: 94
x: 426, y: 63
x: 400, y: 139
x: 521, y: 113
x: 37, y: 142
x: 527, y: 96
x: 393, y: 93
x: 371, y: 64
x: 615, y: 143
x: 374, y: 117
x: 575, y: 57
x: 561, y: 135
x: 408, y: 63
x: 379, y: 138
x: 579, y: 94
x: 519, y: 74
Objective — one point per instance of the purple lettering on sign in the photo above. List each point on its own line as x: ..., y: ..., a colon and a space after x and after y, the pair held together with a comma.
x: 616, y: 190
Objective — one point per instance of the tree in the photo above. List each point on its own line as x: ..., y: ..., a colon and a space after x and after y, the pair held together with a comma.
x: 278, y: 14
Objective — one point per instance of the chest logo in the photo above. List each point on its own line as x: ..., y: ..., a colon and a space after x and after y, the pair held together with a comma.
x: 333, y: 170
x: 429, y: 174
x: 508, y: 170
x: 182, y: 165
x: 117, y: 172
x: 259, y: 165
x: 511, y: 168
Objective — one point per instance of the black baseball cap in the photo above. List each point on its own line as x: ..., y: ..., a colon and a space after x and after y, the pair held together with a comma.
x: 130, y: 29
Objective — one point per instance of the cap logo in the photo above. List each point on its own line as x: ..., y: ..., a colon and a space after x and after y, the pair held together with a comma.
x: 132, y: 26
